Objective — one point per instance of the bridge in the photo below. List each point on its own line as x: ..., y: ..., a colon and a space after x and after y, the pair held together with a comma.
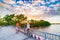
x: 9, y: 33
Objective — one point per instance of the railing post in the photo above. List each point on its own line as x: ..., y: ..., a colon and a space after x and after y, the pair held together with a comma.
x: 45, y: 36
x: 59, y: 38
x: 52, y: 37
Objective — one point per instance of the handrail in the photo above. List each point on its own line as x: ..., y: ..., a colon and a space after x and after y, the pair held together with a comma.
x: 47, y: 35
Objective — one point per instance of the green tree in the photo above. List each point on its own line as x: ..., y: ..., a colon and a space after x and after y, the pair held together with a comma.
x: 12, y: 19
x: 21, y: 18
x: 40, y: 23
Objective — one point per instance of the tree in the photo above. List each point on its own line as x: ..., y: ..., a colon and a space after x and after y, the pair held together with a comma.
x: 12, y: 19
x: 8, y: 17
x: 40, y: 23
x: 21, y: 18
x: 2, y: 22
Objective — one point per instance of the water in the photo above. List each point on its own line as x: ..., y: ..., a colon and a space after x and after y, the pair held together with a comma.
x: 54, y: 29
x: 51, y: 33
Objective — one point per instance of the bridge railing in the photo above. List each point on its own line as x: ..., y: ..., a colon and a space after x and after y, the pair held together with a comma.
x: 46, y: 35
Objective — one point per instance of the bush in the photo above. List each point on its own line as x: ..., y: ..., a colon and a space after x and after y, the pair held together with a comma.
x: 40, y: 23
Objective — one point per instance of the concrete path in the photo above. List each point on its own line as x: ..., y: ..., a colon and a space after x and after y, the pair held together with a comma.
x: 9, y: 33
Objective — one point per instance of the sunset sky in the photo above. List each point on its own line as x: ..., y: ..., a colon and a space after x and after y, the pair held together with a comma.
x: 33, y: 9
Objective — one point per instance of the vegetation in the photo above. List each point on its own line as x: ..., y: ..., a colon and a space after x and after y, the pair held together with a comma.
x: 12, y: 19
x: 40, y: 23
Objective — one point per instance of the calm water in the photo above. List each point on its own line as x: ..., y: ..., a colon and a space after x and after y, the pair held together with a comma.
x: 55, y: 29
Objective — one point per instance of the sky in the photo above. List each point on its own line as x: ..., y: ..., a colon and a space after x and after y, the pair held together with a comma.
x: 33, y: 9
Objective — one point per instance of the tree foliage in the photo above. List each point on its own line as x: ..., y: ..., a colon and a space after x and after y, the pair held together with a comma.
x: 40, y: 23
x: 12, y: 19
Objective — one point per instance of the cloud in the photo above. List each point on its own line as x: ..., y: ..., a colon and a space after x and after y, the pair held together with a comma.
x: 53, y: 0
x: 9, y: 1
x: 42, y: 2
x: 56, y: 5
x: 29, y: 9
x: 55, y: 19
x: 21, y: 2
x: 39, y: 1
x: 48, y: 2
x: 2, y: 4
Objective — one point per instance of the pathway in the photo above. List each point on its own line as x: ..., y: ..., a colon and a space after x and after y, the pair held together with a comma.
x: 9, y: 33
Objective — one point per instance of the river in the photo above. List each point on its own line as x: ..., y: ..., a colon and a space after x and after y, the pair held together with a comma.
x: 54, y: 29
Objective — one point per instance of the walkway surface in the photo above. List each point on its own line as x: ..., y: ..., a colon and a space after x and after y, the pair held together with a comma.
x: 9, y: 33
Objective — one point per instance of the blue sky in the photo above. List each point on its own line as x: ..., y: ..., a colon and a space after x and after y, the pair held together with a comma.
x: 47, y: 2
x: 52, y: 4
